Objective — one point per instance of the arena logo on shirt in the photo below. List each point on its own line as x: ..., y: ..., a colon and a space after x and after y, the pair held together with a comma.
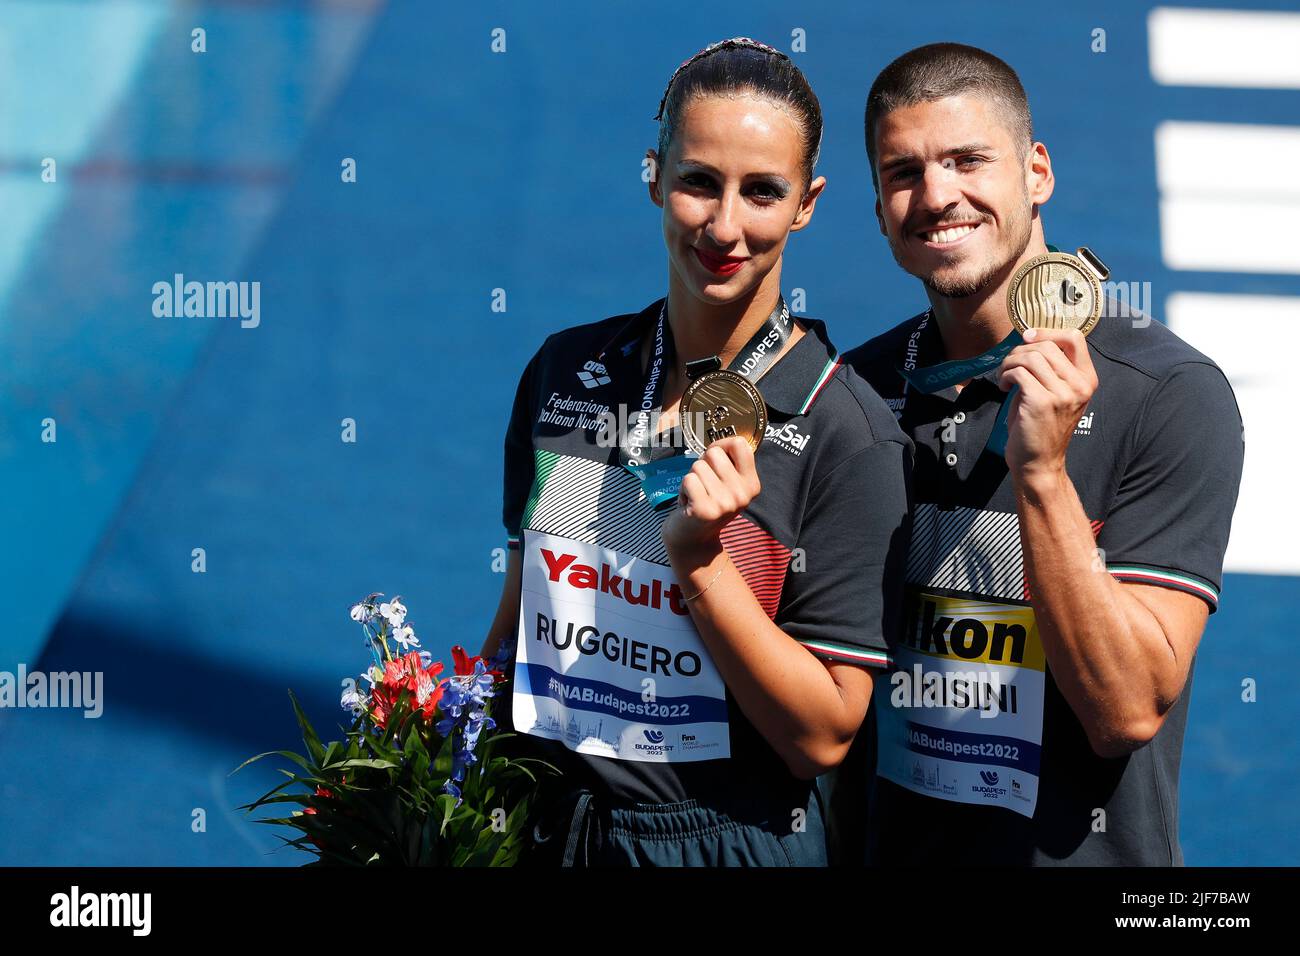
x: 593, y: 375
x: 787, y: 437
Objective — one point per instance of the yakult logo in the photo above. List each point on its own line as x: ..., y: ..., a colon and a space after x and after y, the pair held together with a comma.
x: 649, y: 594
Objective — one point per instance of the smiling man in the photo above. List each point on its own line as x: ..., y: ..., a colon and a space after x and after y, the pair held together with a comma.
x: 1059, y: 578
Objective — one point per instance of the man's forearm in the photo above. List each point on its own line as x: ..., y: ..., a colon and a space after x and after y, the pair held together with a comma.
x: 1108, y: 653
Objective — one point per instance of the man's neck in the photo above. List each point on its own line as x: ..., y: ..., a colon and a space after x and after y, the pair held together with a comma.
x: 973, y: 324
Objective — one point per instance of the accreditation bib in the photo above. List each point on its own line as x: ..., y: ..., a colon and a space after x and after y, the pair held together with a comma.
x: 608, y: 661
x: 964, y: 720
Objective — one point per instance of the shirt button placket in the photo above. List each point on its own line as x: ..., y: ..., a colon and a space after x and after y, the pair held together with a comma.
x: 950, y: 432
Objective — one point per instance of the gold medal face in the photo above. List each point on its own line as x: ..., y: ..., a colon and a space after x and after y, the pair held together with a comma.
x: 719, y: 404
x: 1054, y: 291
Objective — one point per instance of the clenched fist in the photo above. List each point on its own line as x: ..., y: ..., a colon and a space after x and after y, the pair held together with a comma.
x: 716, y: 489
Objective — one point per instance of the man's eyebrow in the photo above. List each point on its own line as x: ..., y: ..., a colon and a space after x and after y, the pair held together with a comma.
x: 908, y: 158
x: 897, y: 161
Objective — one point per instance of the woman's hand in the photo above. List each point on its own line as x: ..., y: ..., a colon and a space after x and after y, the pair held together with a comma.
x: 716, y: 489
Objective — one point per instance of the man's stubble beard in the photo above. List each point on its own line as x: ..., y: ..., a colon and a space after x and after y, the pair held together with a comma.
x: 963, y: 287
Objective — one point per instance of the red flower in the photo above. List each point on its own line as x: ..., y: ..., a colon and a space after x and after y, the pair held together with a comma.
x: 382, y: 701
x: 427, y: 692
x: 465, y: 664
x: 405, y: 674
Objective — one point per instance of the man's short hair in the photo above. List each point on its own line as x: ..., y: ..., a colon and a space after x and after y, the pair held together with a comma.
x: 939, y: 70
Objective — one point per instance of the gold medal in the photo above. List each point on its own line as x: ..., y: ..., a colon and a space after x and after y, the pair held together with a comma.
x: 1057, y: 291
x: 720, y: 404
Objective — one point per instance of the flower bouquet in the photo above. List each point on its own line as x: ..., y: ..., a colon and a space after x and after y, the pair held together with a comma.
x: 417, y: 780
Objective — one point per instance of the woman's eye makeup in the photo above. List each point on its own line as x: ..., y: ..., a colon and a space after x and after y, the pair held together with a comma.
x: 763, y: 190
x: 767, y: 191
x: 697, y: 180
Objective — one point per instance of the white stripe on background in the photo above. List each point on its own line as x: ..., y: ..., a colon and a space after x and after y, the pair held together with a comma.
x: 1217, y: 160
x: 1251, y: 337
x: 1230, y: 235
x: 1229, y: 196
x: 1238, y: 48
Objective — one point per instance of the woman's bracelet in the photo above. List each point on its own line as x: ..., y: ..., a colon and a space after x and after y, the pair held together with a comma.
x: 707, y: 586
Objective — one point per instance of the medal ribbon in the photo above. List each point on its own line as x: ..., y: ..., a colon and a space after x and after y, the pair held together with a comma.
x: 946, y: 374
x: 660, y: 479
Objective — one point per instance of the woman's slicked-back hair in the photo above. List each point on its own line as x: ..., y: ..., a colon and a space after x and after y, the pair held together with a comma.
x: 734, y: 67
x: 939, y: 70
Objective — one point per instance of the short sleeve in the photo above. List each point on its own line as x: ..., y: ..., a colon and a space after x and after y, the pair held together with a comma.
x: 845, y: 581
x: 1169, y: 522
x: 519, y: 466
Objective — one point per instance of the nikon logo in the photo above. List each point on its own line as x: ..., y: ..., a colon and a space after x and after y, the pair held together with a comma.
x: 967, y: 638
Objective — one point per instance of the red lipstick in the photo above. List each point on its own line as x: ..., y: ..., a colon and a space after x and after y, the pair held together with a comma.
x: 720, y: 265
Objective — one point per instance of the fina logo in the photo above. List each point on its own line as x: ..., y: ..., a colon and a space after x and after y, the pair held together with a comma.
x: 989, y: 777
x: 654, y: 736
x: 593, y: 380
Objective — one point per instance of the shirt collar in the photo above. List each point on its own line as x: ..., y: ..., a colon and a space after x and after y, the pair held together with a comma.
x: 629, y: 333
x: 791, y: 386
x: 795, y: 382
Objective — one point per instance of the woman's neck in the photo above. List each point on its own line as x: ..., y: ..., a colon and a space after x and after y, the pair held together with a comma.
x: 701, y: 329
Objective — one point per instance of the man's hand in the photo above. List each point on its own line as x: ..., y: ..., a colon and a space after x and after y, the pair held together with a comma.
x: 716, y: 489
x: 1057, y: 380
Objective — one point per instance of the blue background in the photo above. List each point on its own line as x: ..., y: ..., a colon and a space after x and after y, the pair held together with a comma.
x: 476, y: 171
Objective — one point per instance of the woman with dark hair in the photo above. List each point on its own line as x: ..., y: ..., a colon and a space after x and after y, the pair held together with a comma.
x: 693, y: 630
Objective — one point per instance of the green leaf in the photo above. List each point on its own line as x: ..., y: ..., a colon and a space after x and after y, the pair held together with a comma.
x: 446, y: 805
x: 332, y: 752
x: 309, y: 738
x: 429, y: 843
x: 299, y: 759
x: 248, y: 761
x: 375, y: 764
x: 443, y: 762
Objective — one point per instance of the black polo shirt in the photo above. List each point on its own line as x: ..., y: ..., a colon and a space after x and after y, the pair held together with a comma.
x: 1156, y: 461
x: 821, y: 547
